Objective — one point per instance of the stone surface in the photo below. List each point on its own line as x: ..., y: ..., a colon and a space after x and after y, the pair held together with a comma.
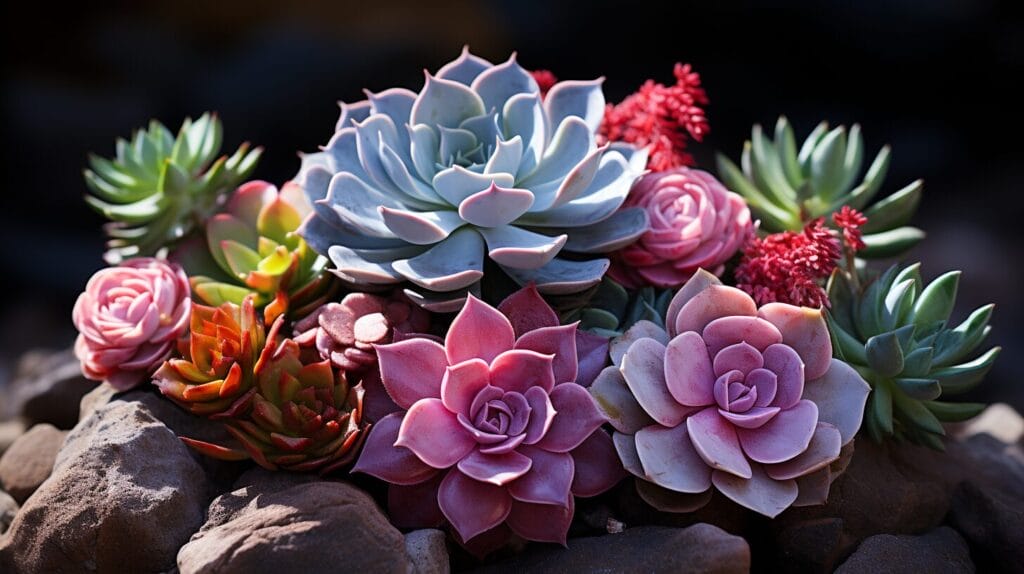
x: 124, y: 495
x: 998, y: 420
x: 47, y: 387
x: 993, y: 524
x: 8, y: 509
x: 9, y: 432
x: 29, y: 461
x: 649, y: 550
x: 941, y: 551
x: 279, y: 522
x: 94, y: 399
x: 811, y: 546
x: 427, y: 551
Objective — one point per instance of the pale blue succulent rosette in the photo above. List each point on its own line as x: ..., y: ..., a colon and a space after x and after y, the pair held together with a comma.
x: 421, y: 189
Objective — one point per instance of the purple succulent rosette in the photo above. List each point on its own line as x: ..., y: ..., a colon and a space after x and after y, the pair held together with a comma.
x: 494, y: 436
x: 420, y: 189
x: 744, y: 399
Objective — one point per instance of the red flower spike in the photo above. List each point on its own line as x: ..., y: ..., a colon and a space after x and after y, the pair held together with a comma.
x: 545, y: 79
x: 849, y: 220
x: 789, y: 267
x: 663, y: 118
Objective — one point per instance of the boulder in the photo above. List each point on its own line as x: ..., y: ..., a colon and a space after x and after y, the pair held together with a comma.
x: 47, y: 387
x: 648, y: 549
x: 29, y: 461
x: 999, y: 420
x: 125, y: 494
x: 993, y: 524
x: 8, y: 509
x: 428, y: 551
x: 941, y: 551
x: 9, y: 432
x: 280, y: 522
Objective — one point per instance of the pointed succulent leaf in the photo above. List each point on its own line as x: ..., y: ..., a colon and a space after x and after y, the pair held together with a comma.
x: 919, y: 389
x: 936, y: 301
x: 964, y: 338
x: 785, y: 147
x: 895, y: 210
x: 884, y: 354
x: 962, y: 378
x: 827, y: 163
x: 954, y: 412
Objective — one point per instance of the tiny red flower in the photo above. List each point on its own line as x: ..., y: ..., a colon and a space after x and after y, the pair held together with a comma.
x: 850, y: 221
x: 665, y: 118
x: 789, y: 267
x: 545, y: 79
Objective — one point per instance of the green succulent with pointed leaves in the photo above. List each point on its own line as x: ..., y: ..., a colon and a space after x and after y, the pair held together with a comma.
x: 158, y: 188
x: 613, y: 309
x: 786, y: 187
x: 896, y: 333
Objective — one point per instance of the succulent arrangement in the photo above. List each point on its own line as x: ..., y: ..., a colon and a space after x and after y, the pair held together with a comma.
x: 500, y: 295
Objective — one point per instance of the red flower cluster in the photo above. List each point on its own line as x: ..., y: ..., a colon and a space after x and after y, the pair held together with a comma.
x: 849, y: 220
x: 545, y: 79
x: 662, y: 117
x: 788, y: 267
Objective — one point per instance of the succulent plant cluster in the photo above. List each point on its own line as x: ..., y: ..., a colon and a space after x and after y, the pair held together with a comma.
x: 391, y: 311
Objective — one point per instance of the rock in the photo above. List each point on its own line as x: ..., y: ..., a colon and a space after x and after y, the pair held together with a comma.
x: 427, y: 551
x: 47, y: 387
x: 941, y: 551
x: 647, y: 549
x: 811, y: 546
x: 124, y: 495
x: 94, y: 399
x: 278, y: 522
x: 998, y: 420
x: 9, y: 432
x: 993, y: 524
x: 8, y: 509
x: 29, y: 461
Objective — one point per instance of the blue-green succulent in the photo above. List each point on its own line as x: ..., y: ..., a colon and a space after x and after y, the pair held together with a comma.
x: 422, y: 189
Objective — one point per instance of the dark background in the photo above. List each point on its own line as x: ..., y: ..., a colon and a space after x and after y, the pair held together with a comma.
x: 934, y: 79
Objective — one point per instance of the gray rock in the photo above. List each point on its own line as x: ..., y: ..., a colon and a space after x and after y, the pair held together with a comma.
x: 29, y: 461
x: 124, y: 495
x: 8, y: 509
x: 94, y: 399
x: 941, y: 551
x: 280, y: 522
x: 9, y: 432
x: 645, y: 550
x: 47, y: 387
x: 993, y: 524
x: 428, y: 551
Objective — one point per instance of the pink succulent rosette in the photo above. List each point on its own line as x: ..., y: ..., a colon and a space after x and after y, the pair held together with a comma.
x: 494, y: 436
x: 129, y: 318
x: 744, y: 399
x: 346, y: 332
x: 695, y: 222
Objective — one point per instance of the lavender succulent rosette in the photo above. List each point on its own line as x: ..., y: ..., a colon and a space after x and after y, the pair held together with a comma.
x: 747, y: 400
x: 422, y: 188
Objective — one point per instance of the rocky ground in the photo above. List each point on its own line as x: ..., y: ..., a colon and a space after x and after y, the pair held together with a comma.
x: 109, y: 488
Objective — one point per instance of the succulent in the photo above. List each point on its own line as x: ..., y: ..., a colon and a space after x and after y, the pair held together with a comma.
x: 897, y: 334
x: 786, y: 188
x: 256, y: 251
x: 746, y: 399
x: 695, y: 223
x: 423, y: 188
x: 217, y: 360
x: 129, y: 318
x: 613, y: 309
x: 300, y: 417
x: 346, y: 332
x: 493, y: 436
x: 158, y: 188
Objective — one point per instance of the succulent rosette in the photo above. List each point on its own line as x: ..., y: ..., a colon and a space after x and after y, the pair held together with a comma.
x: 129, y: 318
x: 297, y: 416
x: 346, y: 332
x: 257, y: 251
x: 216, y: 365
x: 493, y: 436
x: 695, y: 223
x: 744, y: 399
x: 423, y: 188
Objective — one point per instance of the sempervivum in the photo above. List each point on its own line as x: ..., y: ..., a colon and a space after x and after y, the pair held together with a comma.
x: 255, y: 250
x: 159, y: 187
x: 747, y: 400
x: 217, y: 359
x: 493, y: 435
x: 129, y: 318
x: 787, y: 188
x: 423, y: 188
x: 297, y: 416
x: 346, y: 332
x: 896, y: 332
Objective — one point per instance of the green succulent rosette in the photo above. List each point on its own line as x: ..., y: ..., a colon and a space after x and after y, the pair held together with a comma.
x: 896, y: 333
x: 786, y: 187
x: 158, y: 187
x: 252, y: 248
x: 613, y: 309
